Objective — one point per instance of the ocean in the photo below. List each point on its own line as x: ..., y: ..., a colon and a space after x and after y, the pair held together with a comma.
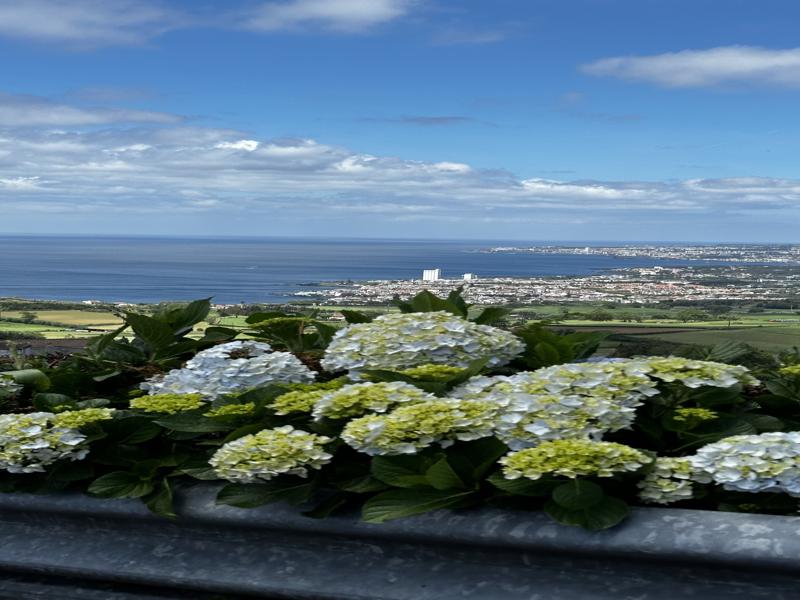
x: 232, y: 270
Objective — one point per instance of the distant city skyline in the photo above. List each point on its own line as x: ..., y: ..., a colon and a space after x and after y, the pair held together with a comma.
x: 569, y: 120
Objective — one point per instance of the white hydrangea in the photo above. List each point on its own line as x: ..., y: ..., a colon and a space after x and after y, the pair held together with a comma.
x: 409, y: 428
x: 231, y: 367
x: 670, y: 480
x: 563, y: 401
x: 269, y: 453
x: 400, y: 341
x: 358, y: 399
x: 30, y: 442
x: 8, y: 386
x: 768, y: 462
x: 697, y: 373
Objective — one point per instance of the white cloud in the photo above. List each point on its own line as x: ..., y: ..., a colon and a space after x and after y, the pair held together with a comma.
x: 21, y: 110
x: 728, y: 65
x: 171, y: 169
x: 347, y: 16
x: 85, y: 23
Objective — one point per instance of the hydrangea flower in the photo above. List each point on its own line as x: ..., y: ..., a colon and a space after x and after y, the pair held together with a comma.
x: 563, y: 401
x: 269, y: 453
x: 400, y: 341
x: 767, y: 462
x: 303, y: 396
x: 360, y: 398
x: 698, y: 373
x: 412, y: 427
x: 573, y: 458
x: 75, y: 419
x: 790, y: 371
x: 432, y: 372
x: 694, y: 416
x: 670, y: 480
x: 232, y: 410
x: 30, y: 442
x: 167, y: 404
x: 232, y: 367
x: 8, y: 386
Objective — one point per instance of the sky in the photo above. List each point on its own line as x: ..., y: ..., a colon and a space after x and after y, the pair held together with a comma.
x: 619, y: 120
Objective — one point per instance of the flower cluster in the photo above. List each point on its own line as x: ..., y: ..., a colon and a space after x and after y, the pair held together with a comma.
x: 573, y: 458
x: 768, y: 462
x: 360, y: 398
x: 269, y: 453
x: 302, y: 396
x: 231, y: 367
x: 30, y: 442
x: 694, y: 416
x: 75, y: 419
x: 232, y: 410
x: 168, y: 404
x: 698, y: 373
x: 790, y: 371
x: 564, y: 401
x: 412, y: 427
x: 8, y: 386
x: 670, y: 480
x: 400, y: 341
x: 432, y: 372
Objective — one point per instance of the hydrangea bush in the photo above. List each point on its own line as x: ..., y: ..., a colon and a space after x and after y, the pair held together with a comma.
x: 403, y: 341
x: 413, y: 411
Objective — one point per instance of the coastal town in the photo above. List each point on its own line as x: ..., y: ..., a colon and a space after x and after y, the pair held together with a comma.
x: 620, y: 286
x: 740, y: 253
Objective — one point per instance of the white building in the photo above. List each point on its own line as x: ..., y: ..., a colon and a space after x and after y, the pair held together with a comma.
x: 470, y: 277
x: 431, y: 275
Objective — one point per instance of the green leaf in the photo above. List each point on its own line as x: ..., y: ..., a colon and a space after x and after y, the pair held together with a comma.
x: 481, y: 455
x: 578, y: 494
x: 442, y: 476
x: 714, y: 396
x: 353, y: 316
x: 201, y: 473
x: 30, y: 378
x: 428, y: 302
x: 491, y: 315
x: 763, y: 422
x: 266, y: 316
x: 783, y: 389
x: 522, y: 487
x: 361, y: 485
x: 403, y: 503
x: 48, y: 402
x: 249, y: 495
x: 120, y: 484
x: 97, y: 345
x: 547, y: 353
x: 606, y: 513
x: 182, y: 320
x: 156, y: 334
x: 407, y: 471
x: 328, y: 506
x: 132, y: 430
x: 215, y: 335
x: 160, y: 500
x: 192, y: 423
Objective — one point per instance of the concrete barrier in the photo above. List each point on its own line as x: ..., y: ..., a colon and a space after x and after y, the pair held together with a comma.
x: 75, y: 547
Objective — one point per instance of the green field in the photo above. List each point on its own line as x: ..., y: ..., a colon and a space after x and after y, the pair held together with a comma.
x: 70, y: 323
x: 772, y: 330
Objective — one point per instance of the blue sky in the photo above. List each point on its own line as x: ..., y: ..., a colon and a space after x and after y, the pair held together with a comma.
x: 562, y: 119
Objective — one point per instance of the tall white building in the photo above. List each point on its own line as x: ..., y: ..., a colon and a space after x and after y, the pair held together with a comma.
x: 470, y: 277
x: 431, y: 275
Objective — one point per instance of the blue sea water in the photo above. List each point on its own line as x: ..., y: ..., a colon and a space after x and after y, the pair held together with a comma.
x: 152, y: 269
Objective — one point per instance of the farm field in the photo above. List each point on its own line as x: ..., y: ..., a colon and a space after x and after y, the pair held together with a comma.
x: 71, y: 323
